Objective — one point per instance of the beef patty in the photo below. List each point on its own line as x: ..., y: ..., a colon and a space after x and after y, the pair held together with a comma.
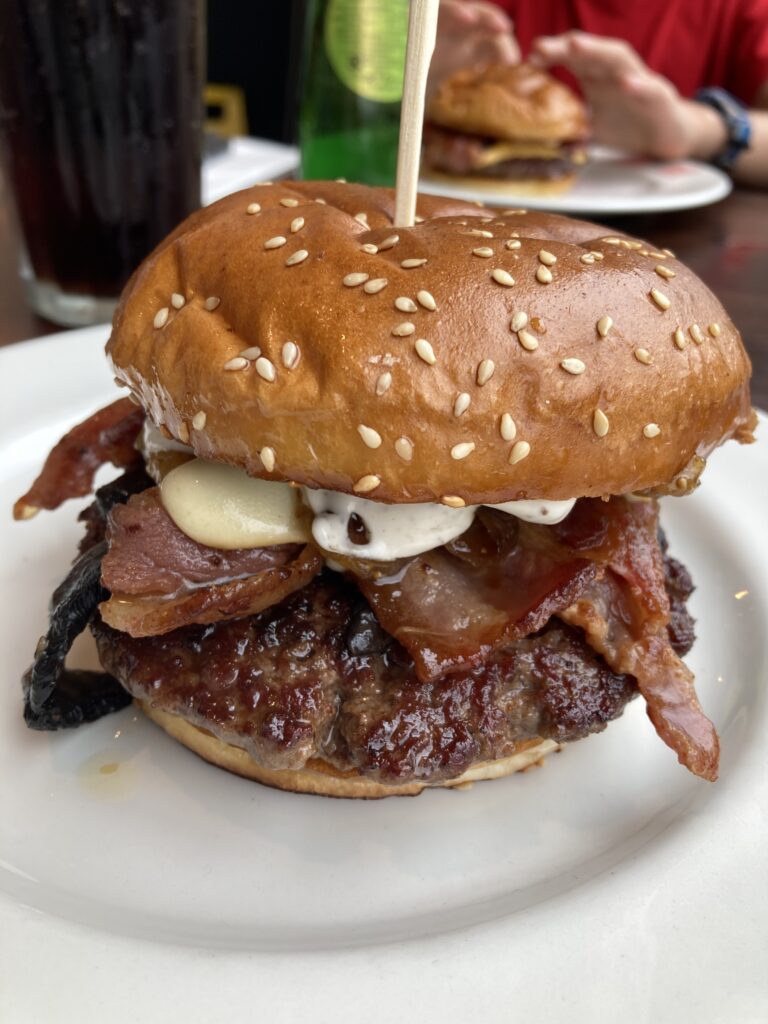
x: 316, y: 676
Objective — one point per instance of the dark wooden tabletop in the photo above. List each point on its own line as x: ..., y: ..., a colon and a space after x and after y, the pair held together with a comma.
x: 726, y: 244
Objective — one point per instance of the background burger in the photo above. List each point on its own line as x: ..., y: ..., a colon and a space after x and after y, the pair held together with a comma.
x: 506, y: 123
x: 388, y: 518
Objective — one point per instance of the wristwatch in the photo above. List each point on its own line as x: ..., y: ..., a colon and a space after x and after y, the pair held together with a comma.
x: 736, y: 119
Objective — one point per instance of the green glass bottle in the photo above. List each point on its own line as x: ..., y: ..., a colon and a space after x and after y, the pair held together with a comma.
x: 354, y: 55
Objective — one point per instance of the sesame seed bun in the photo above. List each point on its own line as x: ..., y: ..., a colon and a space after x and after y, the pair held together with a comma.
x: 502, y: 101
x: 320, y: 778
x: 476, y: 357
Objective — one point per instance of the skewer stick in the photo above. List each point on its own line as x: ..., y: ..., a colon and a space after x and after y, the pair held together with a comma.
x: 422, y: 30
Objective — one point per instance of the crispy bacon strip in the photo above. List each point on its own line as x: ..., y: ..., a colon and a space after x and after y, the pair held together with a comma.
x: 502, y: 579
x: 107, y: 436
x: 625, y: 615
x: 161, y: 579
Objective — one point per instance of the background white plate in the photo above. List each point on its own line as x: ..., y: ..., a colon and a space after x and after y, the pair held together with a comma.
x: 611, y: 183
x: 610, y: 882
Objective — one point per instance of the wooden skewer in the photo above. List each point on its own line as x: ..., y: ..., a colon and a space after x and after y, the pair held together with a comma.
x: 422, y: 31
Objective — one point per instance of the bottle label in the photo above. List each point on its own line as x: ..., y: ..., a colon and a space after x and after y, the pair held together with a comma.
x: 365, y: 42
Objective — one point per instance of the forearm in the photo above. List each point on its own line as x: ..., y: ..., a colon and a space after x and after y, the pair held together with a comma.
x: 705, y: 137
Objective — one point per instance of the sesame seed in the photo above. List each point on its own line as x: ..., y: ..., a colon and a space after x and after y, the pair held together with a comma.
x: 418, y: 219
x: 404, y: 329
x: 680, y: 339
x: 485, y: 370
x: 298, y: 257
x: 598, y: 255
x: 668, y: 252
x: 425, y: 351
x: 370, y: 248
x: 587, y: 258
x: 297, y: 224
x: 696, y: 333
x: 274, y: 243
x: 502, y: 277
x: 518, y: 321
x: 366, y: 483
x: 520, y: 451
x: 452, y: 501
x: 383, y: 383
x: 362, y: 218
x: 253, y: 208
x: 642, y: 355
x: 612, y: 241
x: 198, y: 420
x: 507, y: 427
x: 651, y: 430
x: 600, y: 423
x: 289, y: 202
x: 177, y: 300
x: 388, y: 242
x: 410, y: 264
x: 714, y: 330
x: 426, y: 300
x: 251, y: 353
x: 212, y: 302
x: 631, y: 244
x: 370, y: 437
x: 512, y: 213
x: 405, y: 305
x: 183, y: 433
x: 353, y: 280
x: 543, y: 275
x: 374, y: 286
x: 528, y: 341
x: 483, y: 251
x: 267, y: 456
x: 513, y: 243
x: 238, y: 363
x: 265, y: 369
x: 461, y: 404
x: 404, y: 448
x: 290, y: 354
x: 341, y: 181
x: 462, y: 450
x: 161, y: 318
x: 321, y: 201
x: 547, y: 258
x: 664, y: 272
x: 604, y: 324
x: 574, y: 366
x: 660, y: 299
x: 481, y: 232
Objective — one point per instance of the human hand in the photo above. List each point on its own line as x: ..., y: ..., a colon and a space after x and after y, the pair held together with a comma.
x: 470, y: 32
x: 632, y: 107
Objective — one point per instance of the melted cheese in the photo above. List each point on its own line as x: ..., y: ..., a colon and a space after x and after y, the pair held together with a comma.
x: 501, y: 151
x: 223, y: 507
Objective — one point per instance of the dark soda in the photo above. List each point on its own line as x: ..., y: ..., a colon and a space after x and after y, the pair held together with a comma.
x: 100, y: 120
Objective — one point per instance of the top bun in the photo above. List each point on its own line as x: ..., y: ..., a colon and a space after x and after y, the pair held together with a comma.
x: 512, y: 102
x: 476, y: 357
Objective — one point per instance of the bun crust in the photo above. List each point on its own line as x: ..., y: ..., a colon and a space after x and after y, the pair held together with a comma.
x: 320, y: 778
x: 513, y: 102
x: 340, y: 396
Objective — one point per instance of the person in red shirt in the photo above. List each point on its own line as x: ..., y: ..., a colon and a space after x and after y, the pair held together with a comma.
x: 666, y: 78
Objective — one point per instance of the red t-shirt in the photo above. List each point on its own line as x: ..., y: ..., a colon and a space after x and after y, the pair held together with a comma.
x: 693, y: 43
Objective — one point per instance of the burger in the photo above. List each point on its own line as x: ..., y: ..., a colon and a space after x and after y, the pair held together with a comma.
x: 506, y: 125
x: 388, y: 512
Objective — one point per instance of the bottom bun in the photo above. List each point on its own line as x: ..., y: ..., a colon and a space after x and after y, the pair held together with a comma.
x: 505, y: 187
x: 323, y: 779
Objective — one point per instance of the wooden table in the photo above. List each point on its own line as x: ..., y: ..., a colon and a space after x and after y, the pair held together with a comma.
x: 726, y: 244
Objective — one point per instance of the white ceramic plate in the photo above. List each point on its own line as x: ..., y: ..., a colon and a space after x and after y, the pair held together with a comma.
x: 611, y: 183
x: 608, y: 884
